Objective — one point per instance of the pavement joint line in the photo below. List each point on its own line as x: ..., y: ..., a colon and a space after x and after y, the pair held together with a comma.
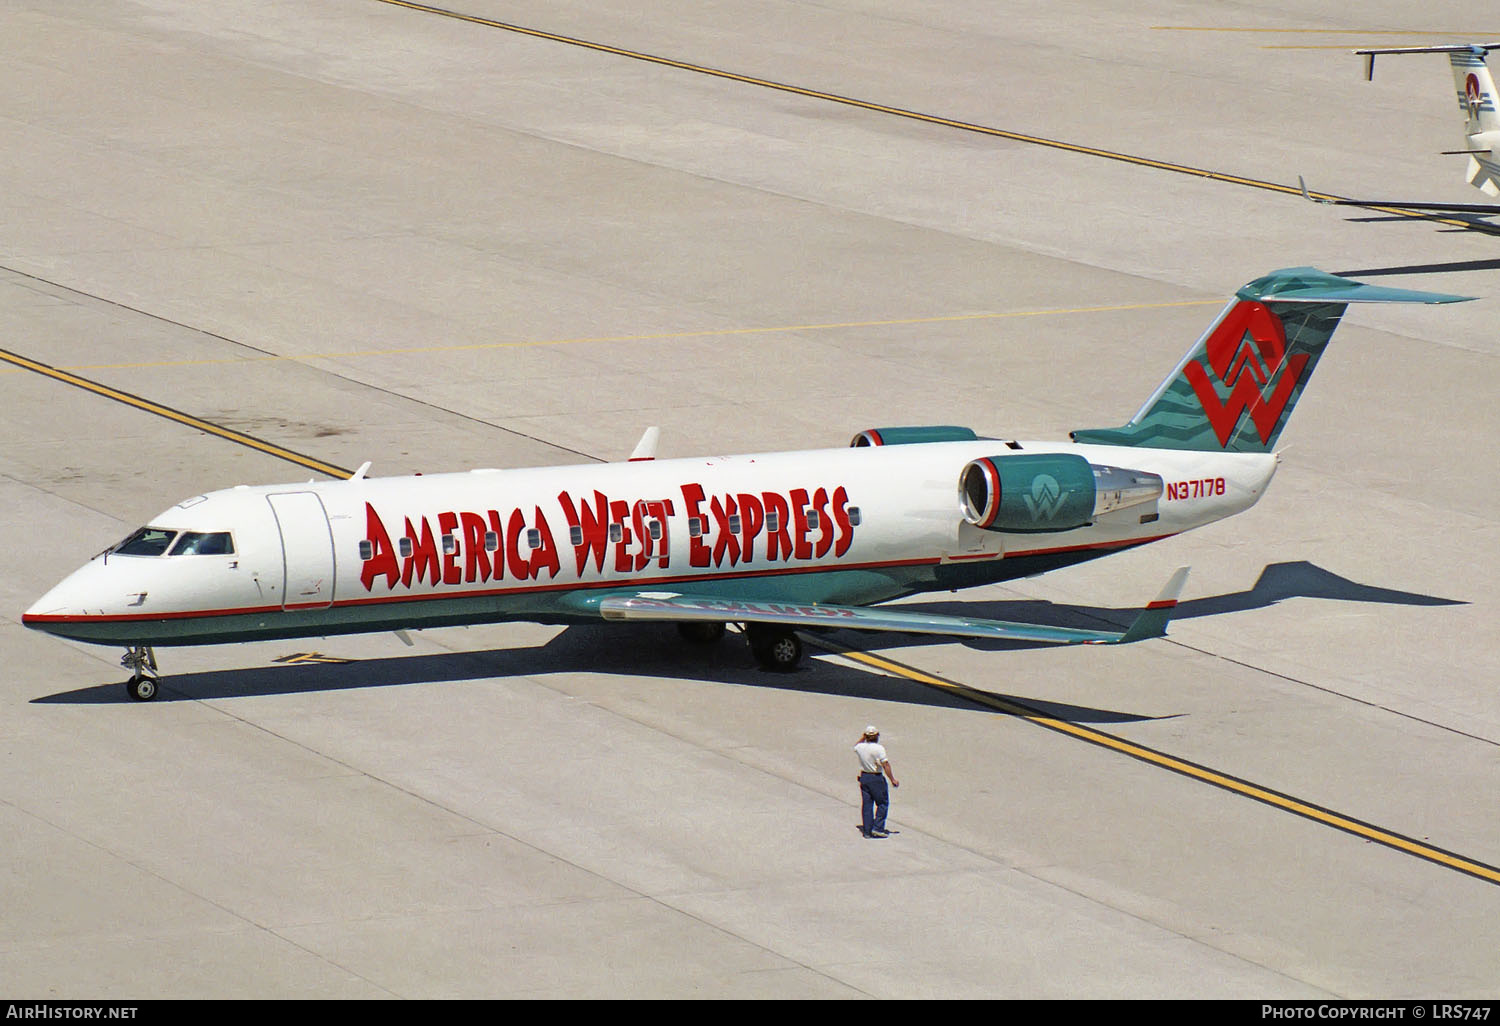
x: 21, y: 363
x: 634, y: 892
x: 648, y: 337
x: 1317, y: 31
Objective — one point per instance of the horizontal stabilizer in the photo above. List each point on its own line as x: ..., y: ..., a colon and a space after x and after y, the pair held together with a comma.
x: 1310, y: 285
x: 673, y: 607
x: 1477, y: 50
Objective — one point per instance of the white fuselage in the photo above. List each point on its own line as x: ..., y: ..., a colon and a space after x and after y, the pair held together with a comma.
x: 854, y: 525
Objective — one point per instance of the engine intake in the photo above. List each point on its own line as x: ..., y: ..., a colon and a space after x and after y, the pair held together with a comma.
x: 1042, y: 492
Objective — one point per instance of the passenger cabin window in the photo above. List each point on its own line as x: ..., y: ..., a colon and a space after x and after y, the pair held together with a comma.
x: 148, y: 541
x: 366, y: 550
x: 198, y: 543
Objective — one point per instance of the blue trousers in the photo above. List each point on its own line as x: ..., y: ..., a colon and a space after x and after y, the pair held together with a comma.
x: 875, y: 801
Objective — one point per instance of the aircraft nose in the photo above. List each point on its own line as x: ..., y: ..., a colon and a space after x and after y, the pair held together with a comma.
x: 63, y: 600
x: 101, y: 602
x: 75, y: 596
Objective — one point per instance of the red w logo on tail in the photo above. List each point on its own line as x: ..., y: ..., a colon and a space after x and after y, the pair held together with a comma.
x: 1246, y: 351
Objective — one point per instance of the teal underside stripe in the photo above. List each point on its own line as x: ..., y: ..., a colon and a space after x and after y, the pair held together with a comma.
x: 541, y: 606
x: 567, y: 605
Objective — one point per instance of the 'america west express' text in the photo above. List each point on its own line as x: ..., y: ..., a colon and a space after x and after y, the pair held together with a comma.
x: 468, y: 547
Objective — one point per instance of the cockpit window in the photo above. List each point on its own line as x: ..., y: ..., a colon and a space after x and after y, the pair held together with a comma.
x: 196, y: 543
x: 148, y: 541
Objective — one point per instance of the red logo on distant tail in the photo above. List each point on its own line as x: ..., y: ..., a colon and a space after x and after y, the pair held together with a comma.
x: 1246, y: 351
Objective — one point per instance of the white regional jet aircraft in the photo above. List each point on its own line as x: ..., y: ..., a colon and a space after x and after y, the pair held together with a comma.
x: 773, y: 541
x: 1476, y: 100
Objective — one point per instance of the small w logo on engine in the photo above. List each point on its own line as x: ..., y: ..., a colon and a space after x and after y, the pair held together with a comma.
x: 1247, y: 351
x: 1046, y: 498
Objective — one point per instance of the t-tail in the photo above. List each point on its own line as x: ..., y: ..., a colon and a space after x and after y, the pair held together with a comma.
x: 1237, y: 386
x: 1476, y: 101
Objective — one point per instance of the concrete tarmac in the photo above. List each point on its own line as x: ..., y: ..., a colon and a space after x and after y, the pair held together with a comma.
x: 367, y: 231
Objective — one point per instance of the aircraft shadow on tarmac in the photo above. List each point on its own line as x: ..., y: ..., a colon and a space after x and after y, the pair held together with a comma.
x: 1453, y: 267
x: 1472, y: 222
x: 656, y: 650
x: 1277, y: 582
x: 639, y: 650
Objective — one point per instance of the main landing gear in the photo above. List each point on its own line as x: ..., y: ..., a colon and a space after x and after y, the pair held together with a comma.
x: 141, y: 662
x: 775, y: 647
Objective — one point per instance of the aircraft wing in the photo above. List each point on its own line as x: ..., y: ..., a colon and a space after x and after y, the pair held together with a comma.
x: 678, y: 607
x: 1451, y: 208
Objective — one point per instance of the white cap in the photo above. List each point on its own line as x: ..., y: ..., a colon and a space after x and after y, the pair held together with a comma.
x: 870, y: 731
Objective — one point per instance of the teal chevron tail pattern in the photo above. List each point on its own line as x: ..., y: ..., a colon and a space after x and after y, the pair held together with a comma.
x: 1238, y: 385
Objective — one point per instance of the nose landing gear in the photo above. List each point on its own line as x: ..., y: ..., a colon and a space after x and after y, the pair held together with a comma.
x: 140, y: 660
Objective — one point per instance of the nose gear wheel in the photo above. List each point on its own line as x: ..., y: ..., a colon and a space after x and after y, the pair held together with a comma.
x: 140, y: 660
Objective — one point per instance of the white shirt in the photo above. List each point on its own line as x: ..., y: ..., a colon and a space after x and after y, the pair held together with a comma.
x: 871, y: 756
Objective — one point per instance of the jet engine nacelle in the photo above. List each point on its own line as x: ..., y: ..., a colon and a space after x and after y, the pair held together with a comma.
x: 1037, y: 493
x: 912, y: 435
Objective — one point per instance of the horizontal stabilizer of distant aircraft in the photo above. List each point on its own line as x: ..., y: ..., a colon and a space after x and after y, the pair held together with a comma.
x: 774, y: 542
x: 1151, y: 622
x: 1476, y: 100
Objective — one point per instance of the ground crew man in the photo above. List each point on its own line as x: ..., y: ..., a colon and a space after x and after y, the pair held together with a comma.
x: 875, y: 798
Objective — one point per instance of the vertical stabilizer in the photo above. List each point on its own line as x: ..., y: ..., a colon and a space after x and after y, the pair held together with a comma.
x: 1237, y: 386
x: 1476, y: 98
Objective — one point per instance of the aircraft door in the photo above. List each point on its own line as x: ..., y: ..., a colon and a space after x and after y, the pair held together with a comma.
x: 306, y: 550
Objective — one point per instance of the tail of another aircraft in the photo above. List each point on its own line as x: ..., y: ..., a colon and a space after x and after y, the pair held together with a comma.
x: 1236, y: 387
x: 1476, y: 99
